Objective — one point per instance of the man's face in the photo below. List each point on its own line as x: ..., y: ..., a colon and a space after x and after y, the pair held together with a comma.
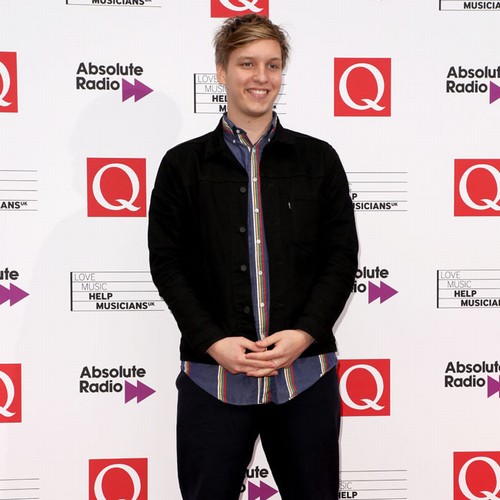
x: 253, y: 80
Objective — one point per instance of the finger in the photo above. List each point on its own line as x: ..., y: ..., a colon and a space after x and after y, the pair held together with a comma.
x: 261, y: 356
x: 257, y: 363
x: 268, y: 341
x: 262, y: 373
x: 249, y: 344
x: 255, y: 349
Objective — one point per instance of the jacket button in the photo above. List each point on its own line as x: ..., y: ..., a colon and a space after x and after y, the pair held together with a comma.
x: 246, y: 310
x: 243, y: 267
x: 243, y: 189
x: 243, y: 229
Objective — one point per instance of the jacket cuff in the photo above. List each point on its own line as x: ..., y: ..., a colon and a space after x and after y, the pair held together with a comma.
x: 203, y: 346
x: 312, y: 327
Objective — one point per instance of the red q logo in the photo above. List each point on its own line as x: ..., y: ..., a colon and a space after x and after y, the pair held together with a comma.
x: 477, y: 188
x: 477, y: 476
x: 116, y: 187
x: 10, y: 393
x: 8, y: 82
x: 118, y: 479
x: 362, y: 87
x: 364, y: 387
x: 230, y: 8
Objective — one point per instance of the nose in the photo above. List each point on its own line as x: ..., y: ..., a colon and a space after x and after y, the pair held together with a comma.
x: 260, y: 74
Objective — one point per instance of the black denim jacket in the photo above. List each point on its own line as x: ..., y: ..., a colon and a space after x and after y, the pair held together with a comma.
x: 199, y: 247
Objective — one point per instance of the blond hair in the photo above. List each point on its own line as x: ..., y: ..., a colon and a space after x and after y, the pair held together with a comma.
x: 236, y: 32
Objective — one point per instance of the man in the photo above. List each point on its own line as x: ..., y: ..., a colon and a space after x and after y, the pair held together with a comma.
x: 253, y: 247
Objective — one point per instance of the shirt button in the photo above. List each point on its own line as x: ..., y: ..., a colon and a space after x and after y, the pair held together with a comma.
x: 255, y: 179
x: 243, y: 189
x: 243, y: 267
x: 246, y: 310
x: 256, y: 210
x: 258, y: 242
x: 262, y: 304
x: 243, y: 229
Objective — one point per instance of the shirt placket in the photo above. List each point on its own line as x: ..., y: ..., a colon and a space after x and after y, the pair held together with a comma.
x: 257, y: 253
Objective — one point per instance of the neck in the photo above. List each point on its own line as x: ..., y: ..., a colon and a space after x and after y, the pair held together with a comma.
x: 255, y: 128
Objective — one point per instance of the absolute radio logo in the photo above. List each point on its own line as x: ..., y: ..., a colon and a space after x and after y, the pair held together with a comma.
x: 261, y: 489
x: 118, y: 478
x: 481, y: 375
x: 13, y: 294
x: 8, y: 82
x: 116, y: 187
x: 362, y: 87
x: 477, y: 188
x: 106, y: 77
x: 476, y: 81
x: 370, y: 280
x: 230, y: 8
x: 95, y: 380
x: 10, y: 393
x: 476, y: 475
x: 365, y: 387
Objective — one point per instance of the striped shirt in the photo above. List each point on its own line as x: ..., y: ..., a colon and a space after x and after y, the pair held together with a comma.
x: 240, y: 389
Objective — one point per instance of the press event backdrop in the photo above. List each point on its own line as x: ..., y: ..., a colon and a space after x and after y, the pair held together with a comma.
x: 93, y: 93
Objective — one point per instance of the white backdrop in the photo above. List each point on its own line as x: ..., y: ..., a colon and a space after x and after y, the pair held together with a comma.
x: 422, y: 324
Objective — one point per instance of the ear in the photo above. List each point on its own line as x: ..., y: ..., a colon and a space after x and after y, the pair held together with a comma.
x: 221, y: 74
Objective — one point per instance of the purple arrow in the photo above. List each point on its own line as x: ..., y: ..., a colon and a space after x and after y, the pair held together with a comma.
x: 493, y: 386
x: 141, y: 392
x: 264, y: 491
x: 384, y: 291
x: 138, y: 90
x: 4, y: 294
x: 15, y: 294
x: 494, y: 92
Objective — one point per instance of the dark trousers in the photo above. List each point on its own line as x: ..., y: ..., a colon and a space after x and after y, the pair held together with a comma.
x: 215, y: 442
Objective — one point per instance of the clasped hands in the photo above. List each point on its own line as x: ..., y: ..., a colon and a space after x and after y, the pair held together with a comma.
x: 256, y: 359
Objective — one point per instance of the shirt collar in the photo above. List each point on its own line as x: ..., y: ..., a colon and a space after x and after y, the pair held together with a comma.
x: 230, y: 130
x: 216, y: 143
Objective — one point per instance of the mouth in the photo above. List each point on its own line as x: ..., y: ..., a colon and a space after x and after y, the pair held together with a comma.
x: 258, y: 92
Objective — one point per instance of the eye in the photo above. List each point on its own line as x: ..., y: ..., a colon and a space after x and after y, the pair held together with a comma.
x: 246, y: 64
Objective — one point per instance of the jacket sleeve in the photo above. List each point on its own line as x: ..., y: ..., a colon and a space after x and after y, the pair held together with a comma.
x: 339, y: 250
x: 172, y: 253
